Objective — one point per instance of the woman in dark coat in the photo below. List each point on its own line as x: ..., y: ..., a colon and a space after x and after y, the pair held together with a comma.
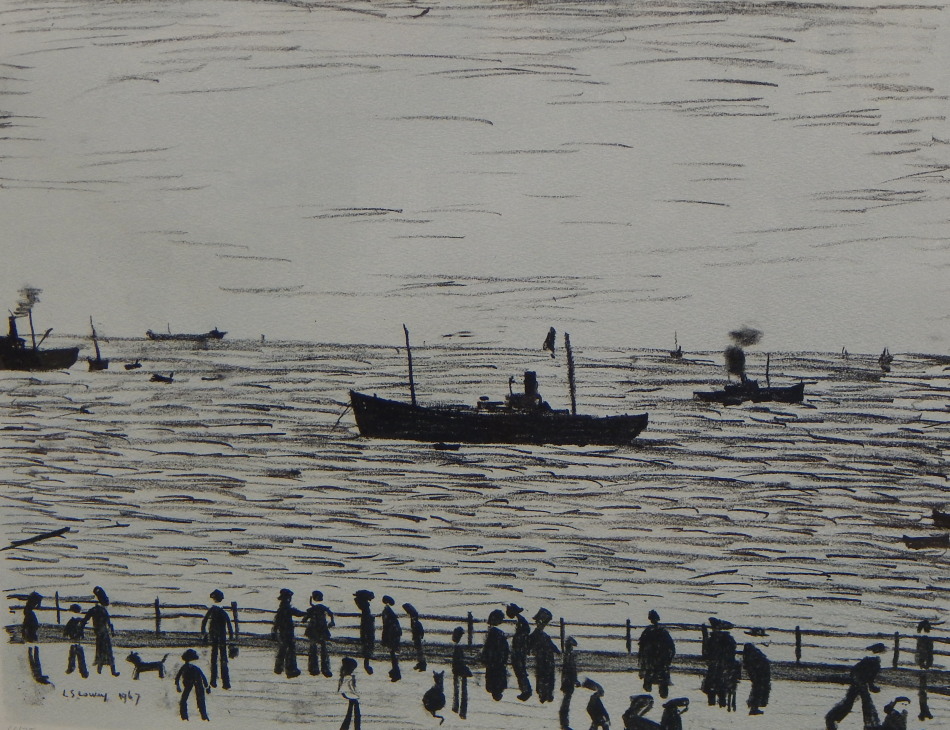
x: 367, y: 627
x: 495, y: 654
x: 759, y: 672
x: 672, y: 712
x: 544, y: 650
x: 103, y: 630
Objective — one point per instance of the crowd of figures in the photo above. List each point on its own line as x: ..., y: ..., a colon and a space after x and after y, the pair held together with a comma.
x: 502, y: 654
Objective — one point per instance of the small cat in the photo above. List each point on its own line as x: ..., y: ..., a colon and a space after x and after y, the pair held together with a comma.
x: 434, y: 698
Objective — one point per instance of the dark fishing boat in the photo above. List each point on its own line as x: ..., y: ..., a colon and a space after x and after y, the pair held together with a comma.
x: 522, y: 418
x: 97, y: 362
x: 885, y: 359
x: 749, y: 390
x: 15, y: 354
x: 159, y: 378
x: 941, y: 519
x: 676, y: 353
x: 214, y: 334
x: 133, y: 365
x: 928, y: 541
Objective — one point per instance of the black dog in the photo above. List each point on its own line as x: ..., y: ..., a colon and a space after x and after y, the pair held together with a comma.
x: 141, y: 666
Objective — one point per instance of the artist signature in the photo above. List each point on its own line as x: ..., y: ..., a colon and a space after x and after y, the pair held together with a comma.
x: 124, y: 697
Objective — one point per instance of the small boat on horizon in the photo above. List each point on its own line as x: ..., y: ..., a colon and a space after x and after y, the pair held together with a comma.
x: 159, y: 378
x: 677, y: 352
x: 927, y: 541
x: 15, y: 354
x: 133, y: 365
x: 214, y: 334
x: 97, y: 362
x: 941, y: 519
x: 733, y: 394
x: 885, y: 359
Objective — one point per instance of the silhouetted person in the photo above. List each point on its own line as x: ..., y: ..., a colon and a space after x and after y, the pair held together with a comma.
x: 599, y: 719
x: 520, y: 639
x: 318, y: 621
x: 283, y: 633
x: 31, y: 634
x: 391, y: 636
x: 863, y: 676
x: 367, y: 627
x: 216, y: 629
x: 569, y: 681
x: 672, y: 714
x: 103, y: 630
x: 722, y: 667
x: 759, y: 671
x: 633, y: 717
x: 655, y: 652
x: 495, y: 655
x: 347, y: 687
x: 924, y: 654
x: 549, y: 341
x: 895, y: 714
x: 544, y: 650
x: 418, y: 633
x: 190, y: 677
x: 73, y: 630
x: 460, y: 674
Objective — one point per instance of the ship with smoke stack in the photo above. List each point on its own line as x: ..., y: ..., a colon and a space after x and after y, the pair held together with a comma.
x: 17, y: 354
x: 747, y: 389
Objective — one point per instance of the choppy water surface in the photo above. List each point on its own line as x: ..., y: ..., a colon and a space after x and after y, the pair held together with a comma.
x: 247, y: 473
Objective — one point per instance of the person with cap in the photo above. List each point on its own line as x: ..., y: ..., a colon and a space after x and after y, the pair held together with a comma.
x: 862, y: 678
x: 672, y: 718
x: 418, y: 633
x: 895, y: 714
x: 544, y: 649
x: 217, y: 630
x: 190, y: 677
x: 599, y: 719
x: 30, y: 632
x: 283, y: 633
x: 73, y: 630
x: 655, y: 654
x: 391, y: 636
x: 520, y: 639
x: 460, y: 674
x: 722, y: 667
x: 759, y: 671
x: 103, y: 630
x: 495, y: 655
x: 569, y: 681
x: 318, y: 620
x: 346, y: 686
x: 362, y: 600
x: 633, y: 717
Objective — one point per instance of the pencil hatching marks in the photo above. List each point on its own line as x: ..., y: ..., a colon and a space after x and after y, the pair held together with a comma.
x: 437, y: 118
x: 354, y: 213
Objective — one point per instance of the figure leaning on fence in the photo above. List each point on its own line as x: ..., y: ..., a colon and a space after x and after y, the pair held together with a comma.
x: 283, y: 633
x: 319, y: 620
x: 73, y: 630
x: 418, y: 633
x: 103, y: 630
x: 190, y: 677
x: 863, y: 676
x: 655, y: 653
x: 217, y: 630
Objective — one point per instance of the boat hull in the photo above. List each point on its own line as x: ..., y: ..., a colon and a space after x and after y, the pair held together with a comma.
x: 388, y: 419
x: 734, y: 395
x: 29, y: 360
x: 159, y: 337
x: 927, y: 542
x: 941, y: 519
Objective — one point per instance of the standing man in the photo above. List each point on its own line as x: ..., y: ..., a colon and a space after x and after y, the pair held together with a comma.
x: 319, y: 620
x: 863, y: 676
x: 216, y: 628
x: 103, y: 630
x: 391, y: 636
x: 544, y: 649
x: 191, y: 676
x: 569, y: 681
x: 719, y: 651
x: 924, y: 655
x: 495, y: 655
x: 73, y: 631
x: 283, y: 633
x: 367, y: 626
x: 655, y: 653
x: 519, y: 649
x: 460, y: 674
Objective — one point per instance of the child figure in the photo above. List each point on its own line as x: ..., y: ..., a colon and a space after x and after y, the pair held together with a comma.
x: 192, y: 677
x: 347, y: 688
x: 74, y: 632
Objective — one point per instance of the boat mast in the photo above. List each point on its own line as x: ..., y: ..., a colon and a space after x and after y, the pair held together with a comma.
x: 95, y: 340
x: 412, y: 382
x: 32, y: 332
x: 571, y: 385
x: 768, y: 360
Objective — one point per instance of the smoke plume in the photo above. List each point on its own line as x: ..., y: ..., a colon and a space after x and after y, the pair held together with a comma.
x: 746, y: 336
x: 735, y: 361
x: 29, y: 296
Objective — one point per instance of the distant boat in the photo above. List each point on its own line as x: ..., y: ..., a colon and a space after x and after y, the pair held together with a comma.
x: 749, y: 390
x: 214, y: 334
x: 522, y: 418
x: 928, y: 541
x: 15, y: 354
x: 133, y: 365
x: 941, y: 519
x: 97, y: 362
x: 885, y: 359
x: 676, y: 353
x: 157, y: 378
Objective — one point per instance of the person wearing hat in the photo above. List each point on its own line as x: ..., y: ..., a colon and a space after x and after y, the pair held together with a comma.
x: 722, y: 667
x: 216, y: 628
x: 655, y: 655
x: 672, y: 714
x: 759, y: 671
x: 540, y: 644
x: 599, y: 719
x: 391, y: 636
x: 190, y: 677
x: 895, y: 714
x: 319, y: 620
x: 495, y: 655
x: 862, y: 678
x: 30, y: 631
x: 633, y: 718
x: 367, y: 626
x: 103, y: 630
x: 283, y: 633
x: 418, y: 633
x: 519, y: 649
x: 346, y: 686
x: 73, y: 631
x: 569, y: 681
x: 460, y: 674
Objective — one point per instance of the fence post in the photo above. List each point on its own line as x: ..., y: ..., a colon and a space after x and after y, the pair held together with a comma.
x: 629, y: 638
x: 798, y: 644
x: 897, y: 648
x: 158, y: 619
x: 57, y: 608
x: 234, y: 618
x: 562, y: 633
x: 471, y: 628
